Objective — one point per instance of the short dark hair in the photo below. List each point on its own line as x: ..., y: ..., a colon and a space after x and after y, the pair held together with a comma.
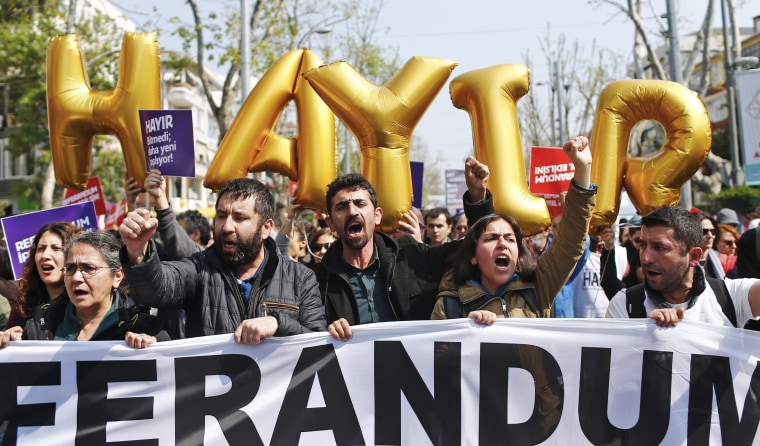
x: 243, y: 188
x: 460, y: 262
x: 194, y: 220
x: 437, y: 212
x: 349, y: 181
x: 687, y: 226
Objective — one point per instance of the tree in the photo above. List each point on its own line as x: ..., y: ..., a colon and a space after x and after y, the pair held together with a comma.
x: 23, y: 67
x: 277, y: 26
x: 582, y: 75
x: 709, y: 179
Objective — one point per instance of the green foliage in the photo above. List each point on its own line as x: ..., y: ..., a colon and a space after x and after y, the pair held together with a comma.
x: 24, y: 34
x: 740, y: 198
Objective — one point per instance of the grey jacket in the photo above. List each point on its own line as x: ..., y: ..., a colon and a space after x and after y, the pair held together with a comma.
x: 177, y: 244
x: 208, y: 291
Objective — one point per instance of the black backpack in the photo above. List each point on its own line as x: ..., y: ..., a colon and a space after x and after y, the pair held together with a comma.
x: 634, y: 302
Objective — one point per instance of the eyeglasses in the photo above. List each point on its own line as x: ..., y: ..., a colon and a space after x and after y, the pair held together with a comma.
x: 706, y: 231
x: 86, y: 270
x: 318, y: 246
x: 729, y: 242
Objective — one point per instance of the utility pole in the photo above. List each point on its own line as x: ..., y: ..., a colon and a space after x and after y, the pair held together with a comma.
x: 737, y: 173
x: 245, y: 50
x: 677, y: 76
x: 562, y: 137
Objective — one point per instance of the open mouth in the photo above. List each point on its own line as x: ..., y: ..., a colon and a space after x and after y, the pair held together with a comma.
x: 47, y: 268
x: 354, y: 227
x: 502, y: 262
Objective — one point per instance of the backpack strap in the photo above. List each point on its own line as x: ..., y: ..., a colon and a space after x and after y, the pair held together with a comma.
x: 721, y: 294
x: 451, y: 307
x: 451, y: 303
x: 634, y: 301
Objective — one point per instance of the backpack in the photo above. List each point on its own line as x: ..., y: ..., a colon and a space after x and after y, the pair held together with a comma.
x: 634, y: 300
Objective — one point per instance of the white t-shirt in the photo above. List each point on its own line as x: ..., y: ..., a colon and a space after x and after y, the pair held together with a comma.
x: 589, y: 299
x: 706, y: 309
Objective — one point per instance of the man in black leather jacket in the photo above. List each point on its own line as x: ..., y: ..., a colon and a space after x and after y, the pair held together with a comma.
x: 240, y: 285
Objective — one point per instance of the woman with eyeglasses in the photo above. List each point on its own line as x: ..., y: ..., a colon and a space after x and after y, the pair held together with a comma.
x: 725, y: 243
x: 94, y: 308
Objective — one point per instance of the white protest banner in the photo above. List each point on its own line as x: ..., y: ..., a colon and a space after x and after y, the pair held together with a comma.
x: 520, y: 381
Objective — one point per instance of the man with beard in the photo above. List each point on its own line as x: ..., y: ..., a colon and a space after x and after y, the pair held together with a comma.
x: 241, y: 284
x: 367, y: 276
x: 675, y: 287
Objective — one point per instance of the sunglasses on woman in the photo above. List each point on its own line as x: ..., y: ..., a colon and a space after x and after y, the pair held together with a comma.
x: 318, y: 246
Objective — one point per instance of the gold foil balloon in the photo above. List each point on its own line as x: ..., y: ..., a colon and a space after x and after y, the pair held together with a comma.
x: 652, y: 181
x: 76, y: 113
x: 490, y: 97
x: 383, y: 119
x: 251, y: 145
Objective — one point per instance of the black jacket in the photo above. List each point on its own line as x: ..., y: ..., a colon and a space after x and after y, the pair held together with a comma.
x: 132, y: 317
x: 208, y: 291
x: 411, y: 270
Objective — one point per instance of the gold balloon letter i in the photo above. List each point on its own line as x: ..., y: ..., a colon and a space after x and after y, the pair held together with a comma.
x: 76, y: 113
x: 383, y: 119
x: 490, y: 97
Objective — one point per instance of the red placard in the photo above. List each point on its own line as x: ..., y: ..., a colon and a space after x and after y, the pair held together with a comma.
x: 116, y: 214
x: 550, y: 174
x: 92, y: 192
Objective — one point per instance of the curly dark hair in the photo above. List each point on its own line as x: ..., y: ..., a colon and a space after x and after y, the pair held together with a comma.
x: 32, y: 291
x: 194, y: 220
x: 243, y: 188
x: 460, y: 263
x: 349, y: 181
x: 687, y: 226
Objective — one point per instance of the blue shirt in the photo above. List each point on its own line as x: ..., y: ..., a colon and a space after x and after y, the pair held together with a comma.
x: 369, y: 287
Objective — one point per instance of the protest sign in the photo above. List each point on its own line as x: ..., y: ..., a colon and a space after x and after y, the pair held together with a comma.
x: 519, y: 381
x: 550, y: 174
x: 116, y: 214
x: 418, y: 170
x: 92, y: 192
x: 168, y: 141
x: 20, y: 229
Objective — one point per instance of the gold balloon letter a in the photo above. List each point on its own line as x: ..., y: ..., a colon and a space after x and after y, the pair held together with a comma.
x: 252, y: 146
x: 383, y: 119
x: 652, y: 181
x: 76, y: 113
x: 490, y: 97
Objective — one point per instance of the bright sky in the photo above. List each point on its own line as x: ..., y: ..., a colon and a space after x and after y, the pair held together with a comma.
x: 482, y: 33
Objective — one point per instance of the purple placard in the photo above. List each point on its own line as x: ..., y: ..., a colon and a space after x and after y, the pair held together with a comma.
x: 19, y: 230
x: 417, y: 173
x: 168, y: 141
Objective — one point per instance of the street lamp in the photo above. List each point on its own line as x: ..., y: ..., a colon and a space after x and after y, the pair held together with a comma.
x: 315, y: 30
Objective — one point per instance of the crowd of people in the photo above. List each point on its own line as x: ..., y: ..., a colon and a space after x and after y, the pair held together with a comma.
x: 252, y: 276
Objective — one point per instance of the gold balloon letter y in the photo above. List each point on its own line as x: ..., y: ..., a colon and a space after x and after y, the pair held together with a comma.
x: 383, y: 119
